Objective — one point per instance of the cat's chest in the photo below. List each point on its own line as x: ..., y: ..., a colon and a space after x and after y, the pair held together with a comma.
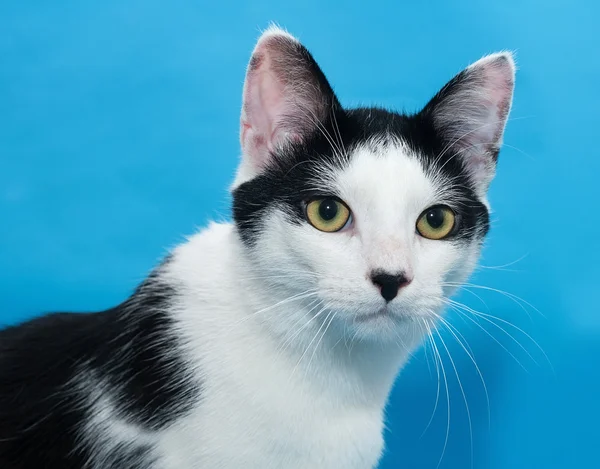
x: 294, y: 439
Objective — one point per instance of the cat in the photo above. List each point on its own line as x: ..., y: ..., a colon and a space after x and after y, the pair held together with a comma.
x: 273, y: 341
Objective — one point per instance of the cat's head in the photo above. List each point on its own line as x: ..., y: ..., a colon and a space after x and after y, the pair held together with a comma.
x: 377, y: 216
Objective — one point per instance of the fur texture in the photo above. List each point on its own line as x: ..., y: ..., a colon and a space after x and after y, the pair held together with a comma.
x: 267, y: 343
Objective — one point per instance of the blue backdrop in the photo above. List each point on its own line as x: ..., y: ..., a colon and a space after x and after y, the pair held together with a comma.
x: 119, y: 135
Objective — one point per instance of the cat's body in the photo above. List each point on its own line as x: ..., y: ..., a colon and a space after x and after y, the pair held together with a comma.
x: 271, y: 343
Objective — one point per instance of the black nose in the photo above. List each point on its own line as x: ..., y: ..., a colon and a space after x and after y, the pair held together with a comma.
x: 389, y: 284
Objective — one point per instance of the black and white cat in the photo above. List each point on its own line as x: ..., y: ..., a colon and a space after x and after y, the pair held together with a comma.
x: 273, y: 342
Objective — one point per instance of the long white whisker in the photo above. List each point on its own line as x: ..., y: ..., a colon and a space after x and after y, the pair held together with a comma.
x: 448, y: 406
x: 490, y: 335
x: 470, y: 355
x: 488, y: 318
x: 316, y: 303
x: 462, y: 392
x: 518, y: 300
x: 503, y: 266
x: 319, y: 341
x: 312, y: 341
x: 437, y: 358
x: 299, y: 296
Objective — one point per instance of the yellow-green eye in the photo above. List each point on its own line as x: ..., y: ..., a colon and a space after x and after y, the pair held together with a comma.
x: 327, y: 214
x: 436, y: 222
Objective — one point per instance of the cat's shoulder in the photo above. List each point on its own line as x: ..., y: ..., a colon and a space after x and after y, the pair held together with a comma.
x: 203, y: 256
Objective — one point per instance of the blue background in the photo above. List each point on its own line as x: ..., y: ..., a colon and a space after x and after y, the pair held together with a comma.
x: 119, y: 135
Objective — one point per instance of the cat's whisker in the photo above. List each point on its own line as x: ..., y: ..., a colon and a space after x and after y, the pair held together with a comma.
x: 462, y: 390
x: 298, y: 296
x: 311, y: 342
x: 489, y: 335
x: 319, y: 341
x: 336, y: 129
x: 486, y: 317
x: 437, y: 360
x: 524, y: 153
x: 266, y: 256
x: 478, y: 297
x: 308, y: 113
x: 503, y: 266
x: 516, y: 299
x: 285, y: 275
x: 448, y: 408
x: 313, y: 305
x: 170, y: 360
x: 491, y: 318
x: 457, y: 335
x: 426, y: 352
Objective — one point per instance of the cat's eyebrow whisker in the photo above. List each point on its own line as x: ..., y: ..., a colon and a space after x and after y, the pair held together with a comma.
x: 308, y: 113
x: 299, y: 163
x: 336, y: 129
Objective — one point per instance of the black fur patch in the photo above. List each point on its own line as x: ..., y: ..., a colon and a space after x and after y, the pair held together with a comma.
x: 131, y: 350
x: 288, y: 181
x: 125, y: 457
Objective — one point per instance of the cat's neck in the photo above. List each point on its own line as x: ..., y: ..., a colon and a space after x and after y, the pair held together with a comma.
x: 228, y: 308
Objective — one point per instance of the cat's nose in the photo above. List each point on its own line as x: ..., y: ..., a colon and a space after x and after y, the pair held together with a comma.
x: 389, y: 284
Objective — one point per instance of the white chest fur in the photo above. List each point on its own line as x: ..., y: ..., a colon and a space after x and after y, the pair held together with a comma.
x: 223, y: 434
x: 263, y: 405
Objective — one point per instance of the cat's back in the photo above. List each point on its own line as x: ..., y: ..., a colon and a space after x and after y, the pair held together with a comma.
x: 41, y: 407
x: 89, y: 390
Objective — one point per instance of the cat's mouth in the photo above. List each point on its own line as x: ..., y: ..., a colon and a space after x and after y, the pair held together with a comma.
x: 379, y: 314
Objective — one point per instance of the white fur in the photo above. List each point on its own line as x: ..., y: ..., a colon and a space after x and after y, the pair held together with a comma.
x: 294, y: 372
x: 265, y: 405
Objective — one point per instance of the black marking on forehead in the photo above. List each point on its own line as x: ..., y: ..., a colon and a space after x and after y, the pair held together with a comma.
x: 290, y: 178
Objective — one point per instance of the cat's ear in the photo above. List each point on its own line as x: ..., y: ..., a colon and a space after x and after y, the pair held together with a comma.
x: 470, y: 113
x: 286, y: 95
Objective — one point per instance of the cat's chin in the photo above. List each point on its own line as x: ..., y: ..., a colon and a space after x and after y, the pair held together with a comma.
x: 383, y: 313
x: 382, y: 324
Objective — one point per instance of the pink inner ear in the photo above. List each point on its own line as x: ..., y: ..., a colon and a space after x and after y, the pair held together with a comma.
x: 473, y: 112
x: 499, y: 79
x: 285, y: 96
x: 263, y: 104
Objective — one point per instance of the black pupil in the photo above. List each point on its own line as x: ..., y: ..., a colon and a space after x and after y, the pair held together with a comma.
x: 435, y: 218
x: 328, y: 209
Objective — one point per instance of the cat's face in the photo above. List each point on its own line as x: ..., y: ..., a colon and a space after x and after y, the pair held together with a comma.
x: 376, y: 216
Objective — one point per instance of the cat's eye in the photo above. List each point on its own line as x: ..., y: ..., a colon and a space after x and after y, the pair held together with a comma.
x: 436, y: 222
x: 327, y: 214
